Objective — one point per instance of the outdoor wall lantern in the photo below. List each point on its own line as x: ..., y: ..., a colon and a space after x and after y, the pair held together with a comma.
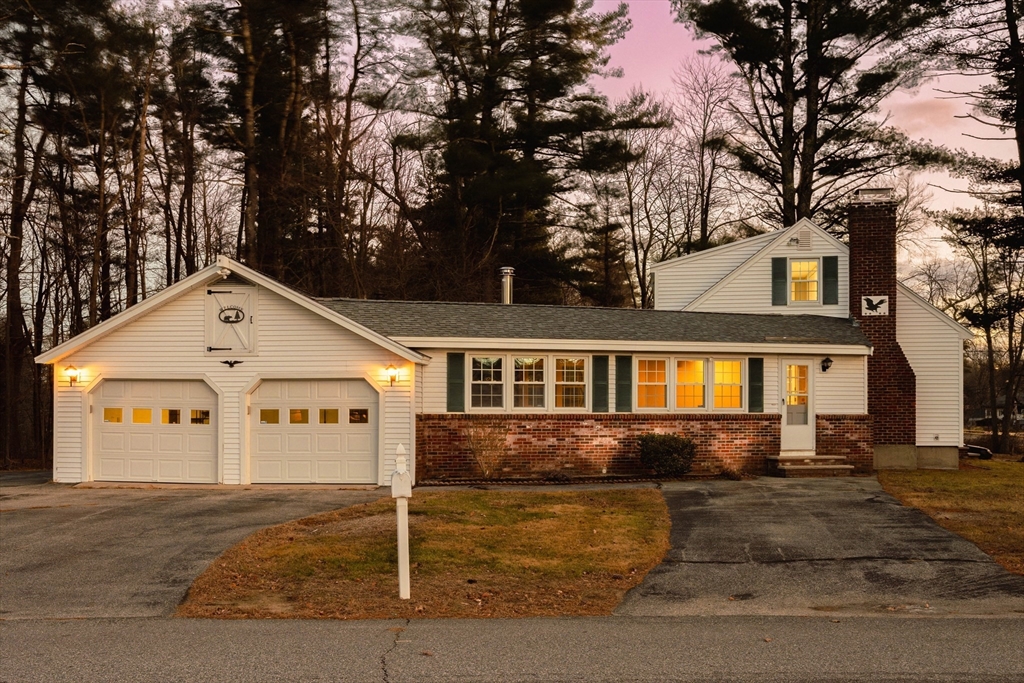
x: 392, y: 372
x: 72, y: 372
x: 826, y: 364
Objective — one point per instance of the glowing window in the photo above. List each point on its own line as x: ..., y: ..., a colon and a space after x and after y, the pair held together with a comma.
x: 328, y: 416
x: 142, y: 416
x: 570, y: 383
x: 803, y: 280
x: 728, y: 384
x: 170, y: 416
x: 298, y: 416
x: 651, y: 384
x: 689, y: 384
x: 270, y: 416
x: 113, y: 415
x: 200, y: 417
x: 359, y: 416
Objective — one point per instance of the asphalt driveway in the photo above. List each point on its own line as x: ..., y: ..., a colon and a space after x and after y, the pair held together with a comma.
x: 72, y: 553
x: 813, y: 547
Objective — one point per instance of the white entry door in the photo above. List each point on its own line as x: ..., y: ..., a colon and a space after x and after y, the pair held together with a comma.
x: 313, y: 431
x: 798, y: 406
x: 154, y: 431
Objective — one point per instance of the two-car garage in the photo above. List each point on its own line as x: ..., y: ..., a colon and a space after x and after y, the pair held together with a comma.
x: 300, y: 431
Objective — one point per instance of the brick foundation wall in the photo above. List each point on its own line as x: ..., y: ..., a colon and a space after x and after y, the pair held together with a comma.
x: 846, y: 435
x: 892, y: 386
x: 583, y: 444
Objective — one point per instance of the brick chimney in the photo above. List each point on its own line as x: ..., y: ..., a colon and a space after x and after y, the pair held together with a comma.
x: 892, y: 386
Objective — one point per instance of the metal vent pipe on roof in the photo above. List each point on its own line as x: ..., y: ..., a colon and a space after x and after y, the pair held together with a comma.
x: 506, y: 284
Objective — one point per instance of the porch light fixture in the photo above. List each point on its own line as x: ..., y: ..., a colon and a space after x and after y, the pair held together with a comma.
x: 392, y: 373
x: 826, y: 364
x: 72, y: 372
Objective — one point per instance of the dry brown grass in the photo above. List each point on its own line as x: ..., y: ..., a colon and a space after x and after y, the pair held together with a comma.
x: 474, y: 554
x: 983, y: 501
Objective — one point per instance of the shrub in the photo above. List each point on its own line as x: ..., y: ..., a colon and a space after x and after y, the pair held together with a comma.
x: 667, y: 455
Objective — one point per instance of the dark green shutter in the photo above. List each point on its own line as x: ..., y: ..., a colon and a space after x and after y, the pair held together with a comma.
x: 779, y: 280
x: 755, y: 370
x: 599, y: 385
x: 623, y: 384
x: 830, y: 280
x: 456, y: 382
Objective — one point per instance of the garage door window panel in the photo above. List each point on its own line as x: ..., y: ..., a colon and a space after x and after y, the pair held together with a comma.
x: 170, y: 416
x: 298, y: 416
x: 113, y: 415
x: 270, y: 416
x: 142, y: 416
x: 200, y: 417
x: 328, y: 416
x: 359, y: 416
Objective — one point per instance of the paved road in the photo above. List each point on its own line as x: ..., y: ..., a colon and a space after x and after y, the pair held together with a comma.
x: 734, y: 649
x: 815, y: 546
x: 71, y: 559
x: 74, y: 553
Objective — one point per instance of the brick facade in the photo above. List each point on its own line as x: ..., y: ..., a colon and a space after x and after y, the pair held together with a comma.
x: 846, y: 435
x: 460, y: 446
x: 892, y: 386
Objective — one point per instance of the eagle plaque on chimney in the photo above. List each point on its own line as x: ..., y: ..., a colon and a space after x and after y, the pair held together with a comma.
x: 874, y: 305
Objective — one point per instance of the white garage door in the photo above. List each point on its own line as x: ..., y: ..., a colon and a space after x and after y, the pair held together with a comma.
x: 153, y: 430
x: 319, y: 431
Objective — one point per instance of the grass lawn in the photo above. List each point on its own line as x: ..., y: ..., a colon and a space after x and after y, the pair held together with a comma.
x: 474, y: 554
x: 983, y: 501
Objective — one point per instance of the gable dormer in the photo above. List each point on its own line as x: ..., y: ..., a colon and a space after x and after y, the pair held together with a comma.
x: 800, y: 270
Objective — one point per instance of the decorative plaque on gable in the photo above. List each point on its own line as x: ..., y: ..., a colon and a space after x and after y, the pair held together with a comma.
x: 874, y: 305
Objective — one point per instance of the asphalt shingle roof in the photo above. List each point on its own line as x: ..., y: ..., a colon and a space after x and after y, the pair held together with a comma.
x: 520, y: 321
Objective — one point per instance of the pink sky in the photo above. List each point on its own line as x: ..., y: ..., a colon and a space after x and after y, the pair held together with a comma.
x: 654, y: 47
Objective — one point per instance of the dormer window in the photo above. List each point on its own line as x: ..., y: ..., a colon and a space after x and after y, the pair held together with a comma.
x: 803, y: 280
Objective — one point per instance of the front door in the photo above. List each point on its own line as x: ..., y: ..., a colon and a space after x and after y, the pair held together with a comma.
x: 798, y: 406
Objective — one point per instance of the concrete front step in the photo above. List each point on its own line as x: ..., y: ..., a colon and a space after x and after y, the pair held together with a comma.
x: 790, y: 471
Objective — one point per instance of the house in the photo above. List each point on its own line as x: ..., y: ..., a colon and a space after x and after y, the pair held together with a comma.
x: 781, y: 353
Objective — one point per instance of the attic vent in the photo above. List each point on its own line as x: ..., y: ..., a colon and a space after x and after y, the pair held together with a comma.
x: 232, y: 280
x: 804, y: 241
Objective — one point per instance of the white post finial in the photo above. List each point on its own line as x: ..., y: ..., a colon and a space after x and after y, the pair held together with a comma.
x: 401, y: 464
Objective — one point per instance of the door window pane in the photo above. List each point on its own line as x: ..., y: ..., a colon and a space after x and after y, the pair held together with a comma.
x: 689, y: 384
x: 528, y: 383
x: 328, y: 416
x: 652, y: 384
x: 200, y: 417
x: 112, y: 415
x: 796, y: 395
x: 270, y: 416
x: 728, y: 384
x: 170, y: 416
x: 142, y: 416
x: 570, y: 383
x: 487, y: 390
x: 298, y: 416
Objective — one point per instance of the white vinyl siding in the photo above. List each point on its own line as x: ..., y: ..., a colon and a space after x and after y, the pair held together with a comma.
x: 680, y: 281
x: 935, y: 352
x: 750, y: 291
x: 169, y: 342
x: 843, y: 389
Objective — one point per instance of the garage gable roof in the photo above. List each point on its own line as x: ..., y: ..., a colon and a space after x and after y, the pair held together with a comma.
x: 421, y: 320
x: 213, y: 273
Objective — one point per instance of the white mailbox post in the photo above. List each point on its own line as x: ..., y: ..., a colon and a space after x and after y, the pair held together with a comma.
x: 401, y: 491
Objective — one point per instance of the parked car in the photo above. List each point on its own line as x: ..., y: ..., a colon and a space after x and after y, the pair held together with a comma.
x: 979, y: 452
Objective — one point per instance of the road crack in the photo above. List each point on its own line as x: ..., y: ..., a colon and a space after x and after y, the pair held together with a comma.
x: 385, y: 676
